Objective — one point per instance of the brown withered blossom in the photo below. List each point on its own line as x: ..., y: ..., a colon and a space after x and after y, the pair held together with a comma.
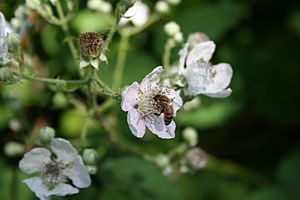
x: 91, y: 44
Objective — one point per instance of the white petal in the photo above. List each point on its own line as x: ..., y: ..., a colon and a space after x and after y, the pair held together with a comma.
x: 3, y: 45
x: 197, y: 76
x: 63, y: 150
x: 34, y: 160
x: 221, y: 78
x: 157, y: 126
x: 136, y: 123
x: 177, y: 100
x: 83, y: 63
x: 182, y: 58
x: 130, y: 97
x: 95, y: 63
x: 142, y: 14
x: 202, y: 51
x: 78, y: 174
x: 36, y: 185
x: 151, y: 76
x: 62, y: 189
x: 222, y: 94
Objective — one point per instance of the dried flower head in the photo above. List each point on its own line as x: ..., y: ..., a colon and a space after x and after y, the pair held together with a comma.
x: 91, y: 44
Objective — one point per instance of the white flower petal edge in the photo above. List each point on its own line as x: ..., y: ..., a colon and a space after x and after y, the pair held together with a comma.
x: 138, y: 14
x: 131, y: 97
x: 63, y: 150
x: 34, y: 160
x: 221, y: 80
x: 36, y: 185
x: 222, y: 94
x: 78, y: 174
x: 3, y: 45
x: 136, y: 123
x: 197, y: 77
x: 42, y: 192
x: 151, y: 76
x: 202, y: 51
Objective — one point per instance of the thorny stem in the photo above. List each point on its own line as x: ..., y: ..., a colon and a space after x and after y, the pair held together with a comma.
x: 121, y: 59
x: 65, y: 28
x: 53, y: 81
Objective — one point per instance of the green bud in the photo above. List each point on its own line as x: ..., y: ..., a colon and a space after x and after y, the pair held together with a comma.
x: 91, y: 169
x: 12, y: 149
x: 46, y: 134
x: 90, y: 156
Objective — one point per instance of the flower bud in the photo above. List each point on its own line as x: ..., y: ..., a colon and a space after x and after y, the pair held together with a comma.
x: 91, y: 44
x: 190, y: 135
x: 46, y: 134
x: 162, y: 7
x: 90, y: 156
x: 15, y: 125
x: 167, y: 171
x: 91, y: 169
x: 174, y: 2
x: 171, y: 28
x: 162, y: 160
x: 178, y: 37
x: 12, y: 149
x: 196, y: 158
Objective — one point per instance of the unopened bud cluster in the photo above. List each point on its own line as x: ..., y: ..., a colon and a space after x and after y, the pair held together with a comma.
x: 172, y: 29
x: 90, y: 158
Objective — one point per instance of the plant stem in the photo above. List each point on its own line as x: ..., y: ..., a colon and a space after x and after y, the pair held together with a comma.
x: 167, y: 53
x: 65, y: 28
x: 53, y: 81
x: 121, y: 59
x: 14, y: 184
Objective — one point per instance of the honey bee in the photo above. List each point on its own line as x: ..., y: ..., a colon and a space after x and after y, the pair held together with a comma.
x: 164, y: 104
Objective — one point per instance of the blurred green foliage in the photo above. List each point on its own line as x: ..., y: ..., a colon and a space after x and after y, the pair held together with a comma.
x: 257, y: 127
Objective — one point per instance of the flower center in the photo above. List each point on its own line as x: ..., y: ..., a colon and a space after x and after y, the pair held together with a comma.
x: 53, y: 173
x: 147, y: 104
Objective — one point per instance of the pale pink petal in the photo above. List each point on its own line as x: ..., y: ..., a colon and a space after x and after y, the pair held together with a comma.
x: 157, y: 126
x: 151, y: 76
x: 136, y: 123
x: 177, y: 100
x: 202, y: 51
x: 222, y: 94
x: 130, y: 97
x: 34, y: 160
x: 220, y: 79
